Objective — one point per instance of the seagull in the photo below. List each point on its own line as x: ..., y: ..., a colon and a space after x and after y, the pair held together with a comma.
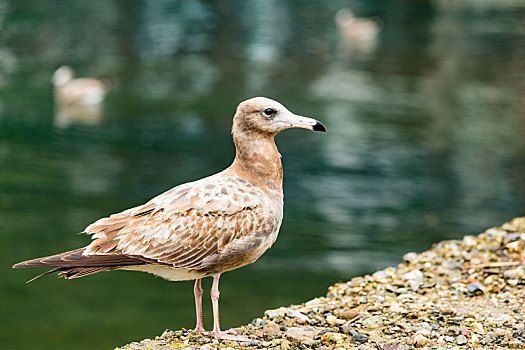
x: 78, y: 91
x: 202, y: 228
x: 356, y: 32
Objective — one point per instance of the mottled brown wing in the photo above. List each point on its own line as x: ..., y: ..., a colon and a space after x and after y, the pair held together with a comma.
x: 184, y: 225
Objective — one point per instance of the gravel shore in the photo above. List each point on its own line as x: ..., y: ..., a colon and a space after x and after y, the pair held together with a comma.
x: 464, y: 294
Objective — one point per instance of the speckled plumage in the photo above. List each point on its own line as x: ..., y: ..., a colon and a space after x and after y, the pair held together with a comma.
x: 209, y: 226
x: 201, y: 228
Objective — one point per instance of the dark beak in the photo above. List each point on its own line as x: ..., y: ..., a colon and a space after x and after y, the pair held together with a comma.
x: 319, y: 127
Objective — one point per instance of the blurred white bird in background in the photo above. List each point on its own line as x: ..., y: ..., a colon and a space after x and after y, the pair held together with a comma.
x: 77, y: 100
x: 357, y: 34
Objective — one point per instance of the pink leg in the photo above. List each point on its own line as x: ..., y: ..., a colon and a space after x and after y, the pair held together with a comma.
x: 217, y: 333
x: 197, y: 290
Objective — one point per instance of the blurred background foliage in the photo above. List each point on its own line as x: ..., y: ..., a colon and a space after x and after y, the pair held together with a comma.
x: 426, y: 142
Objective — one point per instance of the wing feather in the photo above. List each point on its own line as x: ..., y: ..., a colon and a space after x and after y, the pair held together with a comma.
x: 184, y: 225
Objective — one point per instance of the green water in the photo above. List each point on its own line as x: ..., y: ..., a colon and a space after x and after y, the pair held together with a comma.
x: 426, y: 142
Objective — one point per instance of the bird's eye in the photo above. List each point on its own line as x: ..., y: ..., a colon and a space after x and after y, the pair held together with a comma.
x: 268, y: 112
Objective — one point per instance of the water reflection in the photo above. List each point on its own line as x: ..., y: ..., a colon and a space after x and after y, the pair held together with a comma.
x: 425, y: 143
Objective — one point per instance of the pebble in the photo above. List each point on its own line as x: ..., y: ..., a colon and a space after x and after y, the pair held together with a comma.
x: 349, y: 315
x: 297, y: 314
x: 358, y: 337
x: 517, y: 273
x: 500, y: 332
x: 420, y: 340
x: 301, y: 335
x: 424, y: 332
x: 280, y: 312
x: 285, y: 344
x: 461, y: 340
x: 410, y: 257
x: 451, y: 265
x: 478, y: 328
x: 476, y: 288
x: 250, y: 343
x: 414, y: 285
x: 374, y: 320
x: 380, y: 275
x: 331, y: 337
x: 167, y: 333
x: 271, y: 329
x: 390, y: 346
x: 516, y: 344
x: 414, y: 275
x: 258, y: 322
x: 432, y: 300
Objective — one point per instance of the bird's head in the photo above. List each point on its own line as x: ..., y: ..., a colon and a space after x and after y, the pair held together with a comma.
x: 63, y: 75
x: 266, y: 116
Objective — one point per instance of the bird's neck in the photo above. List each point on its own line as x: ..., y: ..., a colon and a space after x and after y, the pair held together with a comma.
x: 258, y: 159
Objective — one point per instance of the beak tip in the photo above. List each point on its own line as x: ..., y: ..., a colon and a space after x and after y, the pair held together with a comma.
x: 319, y: 127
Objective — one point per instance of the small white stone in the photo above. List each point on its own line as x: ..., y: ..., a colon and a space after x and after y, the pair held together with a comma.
x: 424, y: 332
x: 420, y: 340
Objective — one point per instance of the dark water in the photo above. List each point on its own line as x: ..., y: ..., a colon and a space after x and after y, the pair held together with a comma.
x: 426, y: 142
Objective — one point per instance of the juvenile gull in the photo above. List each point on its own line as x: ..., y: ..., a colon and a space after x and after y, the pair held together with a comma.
x: 201, y: 228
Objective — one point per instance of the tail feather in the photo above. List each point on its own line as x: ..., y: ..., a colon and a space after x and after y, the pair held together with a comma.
x: 74, y: 258
x: 43, y: 274
x: 73, y: 264
x: 77, y: 272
